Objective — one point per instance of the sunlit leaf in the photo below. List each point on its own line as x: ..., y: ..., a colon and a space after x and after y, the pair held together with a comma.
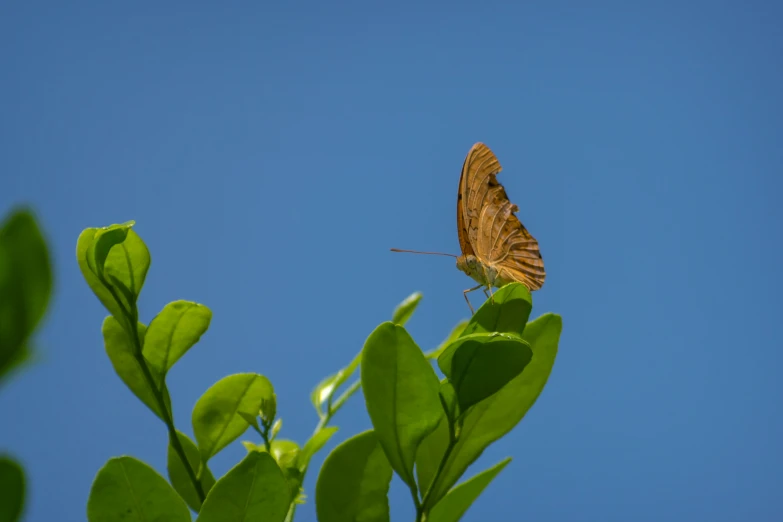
x: 216, y: 415
x: 354, y: 482
x: 114, y: 261
x: 326, y: 388
x: 314, y: 445
x: 252, y: 446
x: 286, y: 454
x: 276, y: 427
x: 506, y: 312
x: 179, y: 476
x: 495, y: 416
x: 471, y: 341
x: 103, y: 241
x: 323, y: 392
x: 458, y: 500
x: 173, y: 331
x: 483, y: 364
x: 251, y: 419
x: 128, y: 490
x: 401, y: 392
x: 254, y: 489
x: 122, y: 352
x: 405, y: 309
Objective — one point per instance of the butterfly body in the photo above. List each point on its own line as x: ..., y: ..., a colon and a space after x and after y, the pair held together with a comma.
x: 483, y: 274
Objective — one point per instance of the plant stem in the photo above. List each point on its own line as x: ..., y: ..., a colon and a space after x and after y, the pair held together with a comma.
x: 419, y: 505
x: 353, y: 388
x: 290, y: 516
x: 331, y: 409
x: 265, y: 436
x: 441, y: 467
x: 132, y: 316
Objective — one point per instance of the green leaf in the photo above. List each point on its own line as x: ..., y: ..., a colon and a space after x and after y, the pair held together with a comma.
x: 252, y: 446
x: 252, y: 420
x: 326, y: 388
x: 128, y: 490
x: 12, y: 486
x: 506, y: 312
x: 471, y: 340
x: 405, y: 309
x: 453, y: 336
x: 103, y: 241
x: 314, y: 445
x: 25, y: 285
x: 495, y: 416
x: 353, y: 484
x: 179, y: 477
x: 268, y: 410
x: 122, y: 353
x: 173, y: 331
x: 114, y: 262
x: 482, y: 364
x: 216, y: 415
x: 254, y: 489
x: 286, y: 454
x: 401, y: 392
x: 278, y: 424
x: 323, y: 392
x: 458, y: 500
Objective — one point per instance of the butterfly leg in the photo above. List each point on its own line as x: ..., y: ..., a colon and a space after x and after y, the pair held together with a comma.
x: 465, y: 293
x: 489, y: 276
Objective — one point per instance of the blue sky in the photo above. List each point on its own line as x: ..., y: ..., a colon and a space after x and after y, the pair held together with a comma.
x: 271, y: 156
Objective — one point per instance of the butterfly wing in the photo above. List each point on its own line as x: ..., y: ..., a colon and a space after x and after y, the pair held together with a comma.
x: 508, y: 245
x: 480, y: 164
x: 493, y: 231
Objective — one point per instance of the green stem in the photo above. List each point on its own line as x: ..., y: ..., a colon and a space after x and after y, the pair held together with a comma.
x: 419, y: 506
x: 291, y: 511
x: 265, y: 436
x: 331, y: 409
x: 353, y: 388
x: 441, y: 466
x: 132, y: 316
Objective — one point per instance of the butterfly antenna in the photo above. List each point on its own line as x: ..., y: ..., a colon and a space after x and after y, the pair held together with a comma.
x: 418, y: 252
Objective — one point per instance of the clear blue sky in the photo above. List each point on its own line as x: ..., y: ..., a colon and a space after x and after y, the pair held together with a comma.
x: 272, y: 155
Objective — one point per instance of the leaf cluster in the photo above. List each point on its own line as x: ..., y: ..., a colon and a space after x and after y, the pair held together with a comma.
x: 429, y: 422
x: 431, y: 430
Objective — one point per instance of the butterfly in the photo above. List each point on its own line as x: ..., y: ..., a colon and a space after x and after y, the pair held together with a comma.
x: 496, y: 247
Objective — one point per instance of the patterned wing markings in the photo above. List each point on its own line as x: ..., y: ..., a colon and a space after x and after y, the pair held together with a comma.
x: 488, y: 227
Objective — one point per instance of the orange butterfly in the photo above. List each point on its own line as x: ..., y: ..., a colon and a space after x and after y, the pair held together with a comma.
x: 496, y: 247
